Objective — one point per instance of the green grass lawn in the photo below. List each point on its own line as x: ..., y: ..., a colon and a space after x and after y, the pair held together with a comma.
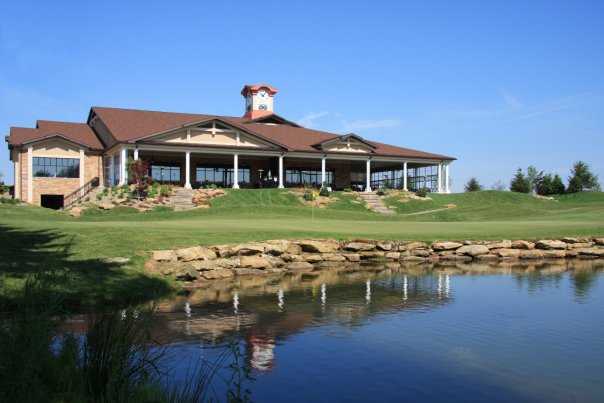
x: 33, y: 238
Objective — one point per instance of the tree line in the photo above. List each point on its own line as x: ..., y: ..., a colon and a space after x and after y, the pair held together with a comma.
x: 581, y: 179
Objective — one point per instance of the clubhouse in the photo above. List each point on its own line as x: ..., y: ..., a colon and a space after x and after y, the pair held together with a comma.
x: 56, y: 162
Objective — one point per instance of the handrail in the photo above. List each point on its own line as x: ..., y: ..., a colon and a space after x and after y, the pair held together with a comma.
x: 80, y: 193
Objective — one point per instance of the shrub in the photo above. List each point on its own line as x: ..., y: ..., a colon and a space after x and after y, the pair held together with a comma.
x: 164, y: 190
x: 324, y: 191
x: 99, y: 196
x: 520, y: 183
x: 423, y: 192
x: 347, y: 189
x: 473, y: 185
x: 381, y: 190
x: 309, y: 195
x: 582, y: 179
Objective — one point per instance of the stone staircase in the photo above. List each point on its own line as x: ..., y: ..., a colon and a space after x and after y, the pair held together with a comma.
x: 374, y: 202
x: 182, y: 199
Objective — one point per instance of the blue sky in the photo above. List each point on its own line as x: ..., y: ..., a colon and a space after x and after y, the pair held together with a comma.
x: 499, y: 85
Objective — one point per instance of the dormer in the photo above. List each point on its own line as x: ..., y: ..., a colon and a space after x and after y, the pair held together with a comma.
x: 258, y: 100
x: 348, y: 143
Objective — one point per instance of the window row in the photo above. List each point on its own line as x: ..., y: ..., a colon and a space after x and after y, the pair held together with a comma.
x: 203, y: 175
x: 48, y: 167
x: 307, y: 177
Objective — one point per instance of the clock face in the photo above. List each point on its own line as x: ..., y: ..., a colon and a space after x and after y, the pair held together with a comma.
x: 262, y: 107
x: 262, y: 93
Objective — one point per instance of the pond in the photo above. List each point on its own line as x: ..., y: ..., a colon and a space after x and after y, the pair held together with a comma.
x: 464, y: 333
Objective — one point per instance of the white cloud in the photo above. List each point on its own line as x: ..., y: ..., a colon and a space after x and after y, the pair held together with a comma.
x: 309, y: 119
x: 370, y: 124
x: 510, y: 100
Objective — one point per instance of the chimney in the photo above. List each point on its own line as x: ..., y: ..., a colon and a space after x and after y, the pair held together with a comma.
x: 258, y: 100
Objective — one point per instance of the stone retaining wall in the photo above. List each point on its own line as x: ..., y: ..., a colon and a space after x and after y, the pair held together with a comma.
x: 205, y: 263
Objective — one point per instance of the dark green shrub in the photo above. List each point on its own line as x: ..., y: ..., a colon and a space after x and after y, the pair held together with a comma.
x: 309, y: 195
x: 324, y: 191
x: 423, y: 192
x: 473, y: 185
x: 164, y: 190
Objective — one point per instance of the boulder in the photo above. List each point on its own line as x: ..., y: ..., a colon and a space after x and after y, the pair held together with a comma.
x: 249, y: 249
x: 217, y: 274
x: 195, y: 253
x: 312, y: 257
x: 505, y: 244
x: 579, y: 245
x: 599, y: 252
x: 187, y: 274
x: 554, y: 253
x: 599, y: 241
x: 223, y: 250
x: 294, y: 249
x: 359, y: 246
x: 486, y: 258
x: 288, y: 257
x: 526, y: 245
x: 385, y: 246
x: 319, y: 246
x: 254, y: 262
x: 506, y: 252
x: 372, y: 255
x: 438, y: 246
x: 413, y: 259
x: 333, y: 257
x: 299, y: 267
x: 412, y: 246
x: 420, y: 252
x: 164, y: 255
x: 530, y: 254
x: 472, y: 250
x: 548, y: 244
x: 570, y: 240
x: 277, y: 247
x: 352, y: 257
x: 76, y: 211
x: 106, y: 205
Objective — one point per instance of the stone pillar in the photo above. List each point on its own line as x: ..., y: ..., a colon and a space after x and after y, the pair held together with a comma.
x: 30, y: 174
x: 235, y: 171
x: 188, y: 169
x: 281, y: 172
x: 368, y: 177
x: 405, y: 176
x: 323, y: 170
x: 17, y: 166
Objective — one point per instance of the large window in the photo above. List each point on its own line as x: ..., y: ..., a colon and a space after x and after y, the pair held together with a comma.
x: 297, y: 177
x: 45, y: 167
x: 165, y: 173
x: 391, y: 179
x: 221, y: 176
x: 417, y: 178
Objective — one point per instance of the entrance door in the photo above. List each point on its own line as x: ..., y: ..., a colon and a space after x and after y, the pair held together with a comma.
x: 54, y: 202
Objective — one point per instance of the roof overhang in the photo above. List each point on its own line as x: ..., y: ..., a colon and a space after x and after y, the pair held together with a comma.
x: 50, y: 136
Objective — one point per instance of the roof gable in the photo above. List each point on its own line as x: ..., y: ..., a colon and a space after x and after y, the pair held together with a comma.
x: 77, y: 133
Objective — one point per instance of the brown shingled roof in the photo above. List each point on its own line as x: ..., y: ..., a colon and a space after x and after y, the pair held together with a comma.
x: 79, y: 133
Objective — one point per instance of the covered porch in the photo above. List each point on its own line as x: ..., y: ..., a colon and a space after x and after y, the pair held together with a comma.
x: 195, y: 168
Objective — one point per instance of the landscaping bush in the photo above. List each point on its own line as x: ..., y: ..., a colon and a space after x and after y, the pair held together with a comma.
x: 381, y: 190
x: 165, y: 190
x: 324, y: 191
x: 309, y: 195
x: 423, y: 192
x: 347, y: 189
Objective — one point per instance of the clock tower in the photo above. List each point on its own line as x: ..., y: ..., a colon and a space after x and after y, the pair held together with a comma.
x: 258, y: 100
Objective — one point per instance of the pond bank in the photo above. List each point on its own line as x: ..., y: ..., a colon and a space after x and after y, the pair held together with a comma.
x: 197, y: 265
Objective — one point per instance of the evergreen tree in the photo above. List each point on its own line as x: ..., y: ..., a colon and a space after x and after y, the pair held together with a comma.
x: 533, y: 177
x: 582, y: 179
x: 520, y: 183
x: 473, y: 185
x: 544, y: 187
x: 557, y: 185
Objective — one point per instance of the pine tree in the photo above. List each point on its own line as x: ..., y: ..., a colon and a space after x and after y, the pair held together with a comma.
x: 544, y: 187
x: 520, y: 183
x: 582, y: 179
x: 557, y: 185
x: 473, y: 185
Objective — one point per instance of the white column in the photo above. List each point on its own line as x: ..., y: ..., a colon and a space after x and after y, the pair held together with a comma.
x: 405, y: 176
x: 235, y: 171
x: 447, y: 179
x: 82, y: 168
x: 30, y: 174
x: 136, y: 154
x: 323, y: 170
x: 281, y: 172
x: 440, y: 179
x: 368, y: 177
x: 188, y: 169
x: 123, y: 168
